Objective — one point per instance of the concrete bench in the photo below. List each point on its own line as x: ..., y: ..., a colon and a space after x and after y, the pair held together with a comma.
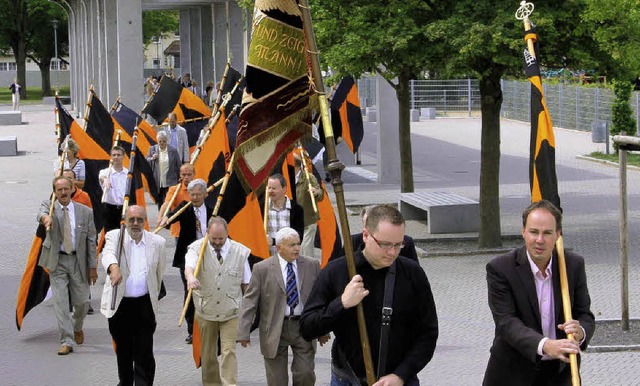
x: 10, y: 118
x: 8, y: 146
x: 443, y: 212
x: 428, y: 113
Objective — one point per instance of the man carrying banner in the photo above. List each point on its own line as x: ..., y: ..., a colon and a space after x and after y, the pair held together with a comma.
x: 69, y: 254
x: 307, y: 185
x: 187, y: 172
x: 223, y: 278
x: 530, y: 345
x: 113, y: 181
x: 177, y: 136
x: 192, y: 227
x: 282, y: 212
x: 138, y: 277
x: 403, y: 342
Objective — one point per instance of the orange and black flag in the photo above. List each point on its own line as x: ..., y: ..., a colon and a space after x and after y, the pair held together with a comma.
x: 103, y: 128
x: 93, y: 154
x: 213, y: 161
x: 172, y: 97
x: 35, y: 280
x: 542, y: 156
x: 346, y: 116
x: 128, y: 119
x: 277, y: 101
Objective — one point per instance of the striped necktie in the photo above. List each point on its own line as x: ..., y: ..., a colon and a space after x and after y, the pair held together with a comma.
x: 292, y: 289
x: 198, y: 224
x: 66, y: 234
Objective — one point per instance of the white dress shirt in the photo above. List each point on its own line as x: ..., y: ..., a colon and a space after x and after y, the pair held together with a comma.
x: 136, y: 284
x: 115, y: 194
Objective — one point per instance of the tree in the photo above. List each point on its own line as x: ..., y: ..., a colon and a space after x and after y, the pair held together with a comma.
x: 622, y: 120
x: 158, y: 24
x: 13, y: 32
x: 359, y: 36
x: 40, y: 44
x: 483, y: 39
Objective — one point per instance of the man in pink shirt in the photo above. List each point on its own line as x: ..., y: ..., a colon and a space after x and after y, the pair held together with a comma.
x: 530, y: 345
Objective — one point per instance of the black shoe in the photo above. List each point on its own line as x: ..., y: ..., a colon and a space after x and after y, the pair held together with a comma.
x: 90, y: 311
x: 189, y: 339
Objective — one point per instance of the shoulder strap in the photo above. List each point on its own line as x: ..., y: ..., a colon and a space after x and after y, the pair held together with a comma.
x: 387, y: 310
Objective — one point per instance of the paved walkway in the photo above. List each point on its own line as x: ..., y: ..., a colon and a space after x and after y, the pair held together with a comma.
x: 446, y: 157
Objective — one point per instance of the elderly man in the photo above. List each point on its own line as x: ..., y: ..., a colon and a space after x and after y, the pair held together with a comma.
x: 69, y: 254
x: 114, y: 183
x: 218, y: 289
x: 280, y: 287
x: 407, y: 333
x: 137, y: 276
x: 306, y: 186
x: 530, y: 345
x: 177, y: 137
x: 283, y: 212
x: 193, y: 225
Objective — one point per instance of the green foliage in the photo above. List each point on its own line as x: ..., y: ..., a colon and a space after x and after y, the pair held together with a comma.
x: 159, y: 24
x: 622, y: 119
x: 40, y: 44
x: 616, y: 28
x: 632, y: 158
x: 35, y: 95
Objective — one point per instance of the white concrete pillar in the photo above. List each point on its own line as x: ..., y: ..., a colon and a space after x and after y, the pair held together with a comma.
x: 388, y: 133
x: 207, y: 47
x: 129, y: 46
x: 185, y: 43
x: 238, y: 37
x: 110, y: 49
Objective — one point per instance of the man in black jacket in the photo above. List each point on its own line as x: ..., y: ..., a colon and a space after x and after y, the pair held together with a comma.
x: 413, y: 330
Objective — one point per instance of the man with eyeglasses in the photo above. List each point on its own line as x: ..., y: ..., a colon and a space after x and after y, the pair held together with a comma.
x: 408, y: 338
x: 137, y: 277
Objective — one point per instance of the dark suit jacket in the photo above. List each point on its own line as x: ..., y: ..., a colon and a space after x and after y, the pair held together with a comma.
x: 187, y: 235
x: 174, y: 165
x: 514, y: 304
x: 408, y: 251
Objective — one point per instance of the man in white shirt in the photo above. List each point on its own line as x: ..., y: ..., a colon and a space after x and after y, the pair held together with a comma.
x: 217, y: 292
x: 137, y: 278
x: 114, y: 183
x: 69, y: 254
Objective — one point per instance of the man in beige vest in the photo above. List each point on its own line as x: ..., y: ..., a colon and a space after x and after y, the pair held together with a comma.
x: 217, y: 291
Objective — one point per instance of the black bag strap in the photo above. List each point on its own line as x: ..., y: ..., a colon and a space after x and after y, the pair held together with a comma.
x: 387, y: 311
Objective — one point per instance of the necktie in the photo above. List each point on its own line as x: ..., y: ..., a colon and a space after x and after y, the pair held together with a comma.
x: 198, y: 224
x: 291, y: 289
x: 66, y: 234
x: 219, y: 255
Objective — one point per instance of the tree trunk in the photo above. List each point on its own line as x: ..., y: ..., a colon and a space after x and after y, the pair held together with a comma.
x: 45, y: 74
x: 21, y: 65
x: 491, y: 100
x: 404, y: 124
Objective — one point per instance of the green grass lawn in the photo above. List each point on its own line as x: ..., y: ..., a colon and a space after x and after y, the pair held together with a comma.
x: 34, y: 95
x: 632, y: 158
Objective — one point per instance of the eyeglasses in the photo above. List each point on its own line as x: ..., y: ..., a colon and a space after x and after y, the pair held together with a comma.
x: 386, y: 245
x: 132, y: 220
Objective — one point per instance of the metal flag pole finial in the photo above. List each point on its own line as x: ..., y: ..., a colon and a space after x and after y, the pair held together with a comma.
x: 524, y: 11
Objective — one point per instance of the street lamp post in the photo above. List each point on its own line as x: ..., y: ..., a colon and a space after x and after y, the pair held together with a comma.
x: 55, y: 43
x: 158, y: 42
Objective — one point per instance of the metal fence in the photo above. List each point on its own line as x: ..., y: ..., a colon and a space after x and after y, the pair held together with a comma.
x: 571, y: 106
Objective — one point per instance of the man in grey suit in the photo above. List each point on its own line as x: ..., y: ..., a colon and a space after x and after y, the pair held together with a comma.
x: 137, y: 276
x: 69, y: 254
x: 177, y: 136
x: 280, y: 286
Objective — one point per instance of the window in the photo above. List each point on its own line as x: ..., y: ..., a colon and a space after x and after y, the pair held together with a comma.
x: 8, y: 66
x: 156, y: 63
x: 13, y: 66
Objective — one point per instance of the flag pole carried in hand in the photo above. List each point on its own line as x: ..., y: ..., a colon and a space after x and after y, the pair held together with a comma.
x: 335, y: 168
x: 544, y: 184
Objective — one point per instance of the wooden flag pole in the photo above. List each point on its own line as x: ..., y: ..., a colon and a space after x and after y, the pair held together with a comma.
x: 335, y: 168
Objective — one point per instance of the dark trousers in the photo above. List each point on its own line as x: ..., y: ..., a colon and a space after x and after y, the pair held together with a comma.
x: 132, y: 329
x: 112, y: 215
x: 191, y: 310
x: 162, y: 193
